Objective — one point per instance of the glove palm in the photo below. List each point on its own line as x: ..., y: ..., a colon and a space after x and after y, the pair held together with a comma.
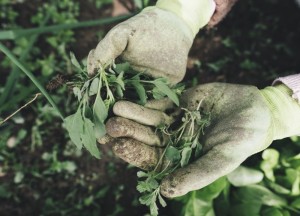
x: 241, y: 125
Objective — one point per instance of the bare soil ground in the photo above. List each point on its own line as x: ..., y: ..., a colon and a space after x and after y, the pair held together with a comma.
x: 263, y: 32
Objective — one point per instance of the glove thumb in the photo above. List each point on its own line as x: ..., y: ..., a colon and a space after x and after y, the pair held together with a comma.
x: 108, y: 49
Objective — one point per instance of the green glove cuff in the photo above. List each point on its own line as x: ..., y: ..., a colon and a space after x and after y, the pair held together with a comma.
x: 195, y: 13
x: 285, y: 111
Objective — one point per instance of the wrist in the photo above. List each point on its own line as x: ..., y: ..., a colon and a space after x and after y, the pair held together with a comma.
x: 285, y: 111
x: 293, y: 82
x: 195, y: 13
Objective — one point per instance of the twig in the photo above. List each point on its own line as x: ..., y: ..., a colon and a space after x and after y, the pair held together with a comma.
x: 10, y: 116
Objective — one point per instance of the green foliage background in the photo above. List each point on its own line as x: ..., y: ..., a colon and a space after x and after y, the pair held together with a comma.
x: 42, y: 173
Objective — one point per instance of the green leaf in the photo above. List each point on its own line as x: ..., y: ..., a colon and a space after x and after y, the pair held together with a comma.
x: 278, y: 188
x: 271, y: 160
x: 162, y: 201
x: 295, y: 161
x: 195, y: 142
x: 163, y: 87
x: 19, y: 176
x: 243, y: 176
x: 214, y: 67
x: 120, y: 81
x: 99, y: 109
x: 88, y: 112
x: 85, y: 85
x: 119, y: 91
x: 287, y: 213
x: 296, y: 203
x: 141, y: 174
x: 157, y: 94
x: 77, y: 93
x: 74, y: 124
x: 140, y: 91
x: 213, y: 190
x: 94, y: 87
x: 146, y: 199
x: 89, y: 139
x: 246, y: 209
x: 99, y: 129
x: 200, y: 202
x: 143, y: 186
x: 272, y: 156
x: 153, y: 184
x: 112, y: 79
x: 172, y: 154
x: 103, y: 192
x: 69, y: 166
x: 100, y: 114
x: 194, y: 205
x: 271, y: 211
x: 74, y: 61
x: 185, y: 156
x: 122, y: 67
x: 293, y: 176
x: 153, y: 209
x: 260, y: 195
x: 111, y: 70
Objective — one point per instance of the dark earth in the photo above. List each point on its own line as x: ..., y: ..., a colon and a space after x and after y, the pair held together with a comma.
x: 256, y: 43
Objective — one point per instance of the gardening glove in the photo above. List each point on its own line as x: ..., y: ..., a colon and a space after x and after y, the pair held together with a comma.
x: 157, y: 40
x: 244, y: 121
x: 222, y: 9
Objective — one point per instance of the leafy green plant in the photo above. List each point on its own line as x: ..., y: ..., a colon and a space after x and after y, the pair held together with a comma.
x: 277, y: 193
x: 7, y: 14
x: 201, y: 202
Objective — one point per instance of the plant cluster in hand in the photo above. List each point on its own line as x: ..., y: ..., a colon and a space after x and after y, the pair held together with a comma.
x: 96, y: 96
x: 98, y: 93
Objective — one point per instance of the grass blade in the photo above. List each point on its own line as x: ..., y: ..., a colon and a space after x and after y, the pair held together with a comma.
x: 31, y: 77
x: 15, y: 72
x: 14, y: 34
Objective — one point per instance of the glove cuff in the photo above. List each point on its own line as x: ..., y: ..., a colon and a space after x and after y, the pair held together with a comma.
x: 195, y: 13
x: 285, y: 111
x: 293, y: 82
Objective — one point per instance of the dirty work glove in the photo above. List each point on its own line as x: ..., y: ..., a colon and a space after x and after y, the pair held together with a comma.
x: 244, y: 121
x: 157, y: 40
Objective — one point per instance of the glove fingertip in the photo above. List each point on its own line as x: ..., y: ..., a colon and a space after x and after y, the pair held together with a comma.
x: 170, y: 187
x: 136, y: 153
x: 177, y: 183
x: 105, y: 139
x: 114, y: 128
